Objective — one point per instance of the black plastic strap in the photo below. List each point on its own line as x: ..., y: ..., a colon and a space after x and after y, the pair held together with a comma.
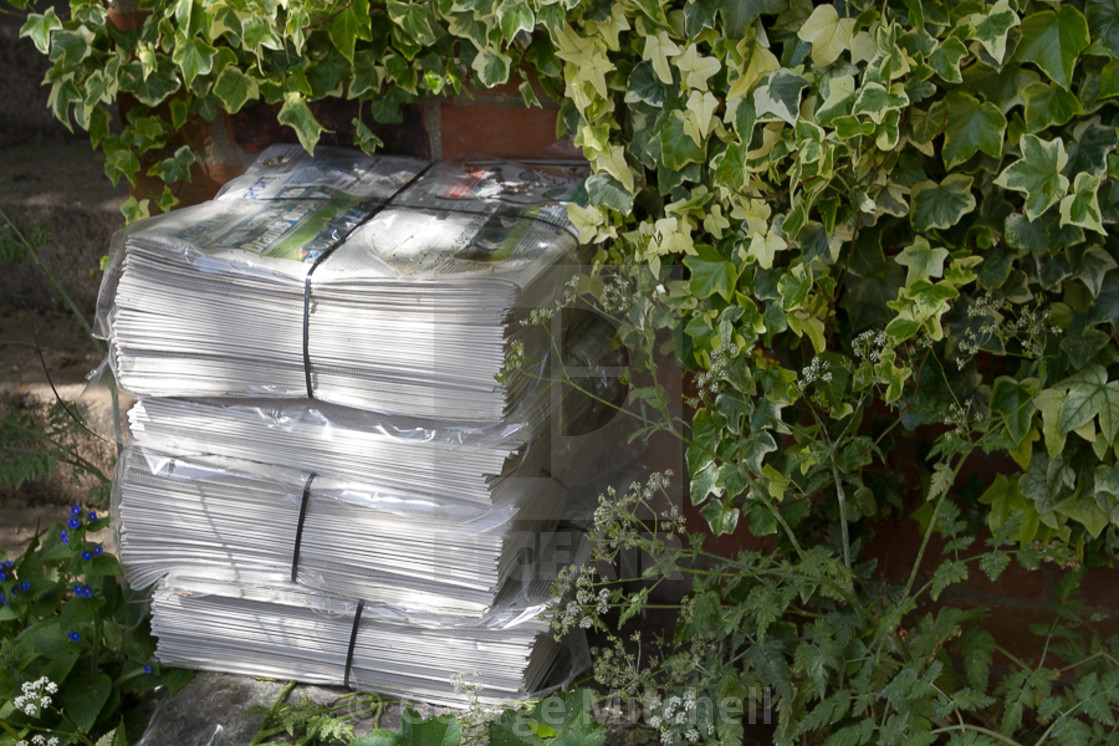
x: 299, y: 526
x: 307, y: 335
x: 353, y: 639
x: 307, y: 280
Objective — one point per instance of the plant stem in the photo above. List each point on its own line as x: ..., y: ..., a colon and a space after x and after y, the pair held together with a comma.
x: 261, y: 734
x: 930, y: 529
x: 977, y: 729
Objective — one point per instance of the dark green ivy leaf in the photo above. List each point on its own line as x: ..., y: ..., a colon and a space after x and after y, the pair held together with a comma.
x: 1103, y: 18
x: 175, y: 168
x: 1053, y: 40
x: 1048, y: 106
x: 710, y: 271
x: 971, y: 127
x: 194, y: 58
x: 941, y: 205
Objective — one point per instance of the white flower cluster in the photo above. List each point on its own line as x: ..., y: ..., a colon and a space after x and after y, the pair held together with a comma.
x: 36, y: 696
x: 40, y: 740
x: 676, y: 719
x: 722, y: 357
x: 817, y: 370
x: 869, y: 345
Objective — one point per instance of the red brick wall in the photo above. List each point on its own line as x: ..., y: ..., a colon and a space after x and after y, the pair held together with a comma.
x: 494, y: 123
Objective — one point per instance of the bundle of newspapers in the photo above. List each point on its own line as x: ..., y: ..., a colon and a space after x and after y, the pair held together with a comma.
x: 337, y: 535
x: 470, y: 464
x: 332, y: 476
x: 268, y: 626
x: 381, y: 285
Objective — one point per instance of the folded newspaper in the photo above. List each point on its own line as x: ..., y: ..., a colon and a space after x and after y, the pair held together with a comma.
x: 332, y: 535
x: 390, y: 286
x: 268, y: 626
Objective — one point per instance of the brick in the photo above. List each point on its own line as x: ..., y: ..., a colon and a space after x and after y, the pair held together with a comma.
x: 1099, y: 588
x: 500, y: 131
x: 894, y: 546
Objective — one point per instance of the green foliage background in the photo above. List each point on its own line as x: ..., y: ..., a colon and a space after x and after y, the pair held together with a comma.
x: 896, y: 220
x: 941, y: 172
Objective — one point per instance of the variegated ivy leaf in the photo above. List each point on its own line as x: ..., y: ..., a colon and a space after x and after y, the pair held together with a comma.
x: 194, y: 58
x: 39, y: 27
x: 946, y: 58
x: 990, y: 29
x: 696, y: 68
x: 588, y: 58
x: 413, y: 19
x: 921, y: 260
x: 699, y: 118
x: 257, y: 34
x: 828, y: 34
x: 840, y: 97
x: 1053, y: 40
x: 780, y: 95
x: 763, y: 248
x: 940, y: 205
x: 1081, y: 207
x: 761, y: 63
x: 1037, y: 174
x: 349, y: 25
x: 235, y: 89
x: 492, y: 67
x: 68, y: 48
x: 875, y: 102
x: 295, y: 114
x: 515, y: 17
x: 657, y: 50
x: 612, y: 160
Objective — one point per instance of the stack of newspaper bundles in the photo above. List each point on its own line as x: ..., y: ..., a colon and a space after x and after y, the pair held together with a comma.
x: 399, y: 291
x: 327, y: 481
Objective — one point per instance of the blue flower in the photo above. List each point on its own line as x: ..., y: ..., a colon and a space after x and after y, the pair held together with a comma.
x: 76, y: 510
x: 6, y: 565
x: 25, y: 586
x: 92, y: 516
x: 15, y: 592
x: 97, y: 550
x: 3, y: 601
x: 87, y: 556
x: 78, y: 589
x: 3, y: 576
x: 73, y: 523
x: 74, y: 636
x: 147, y: 668
x: 64, y: 536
